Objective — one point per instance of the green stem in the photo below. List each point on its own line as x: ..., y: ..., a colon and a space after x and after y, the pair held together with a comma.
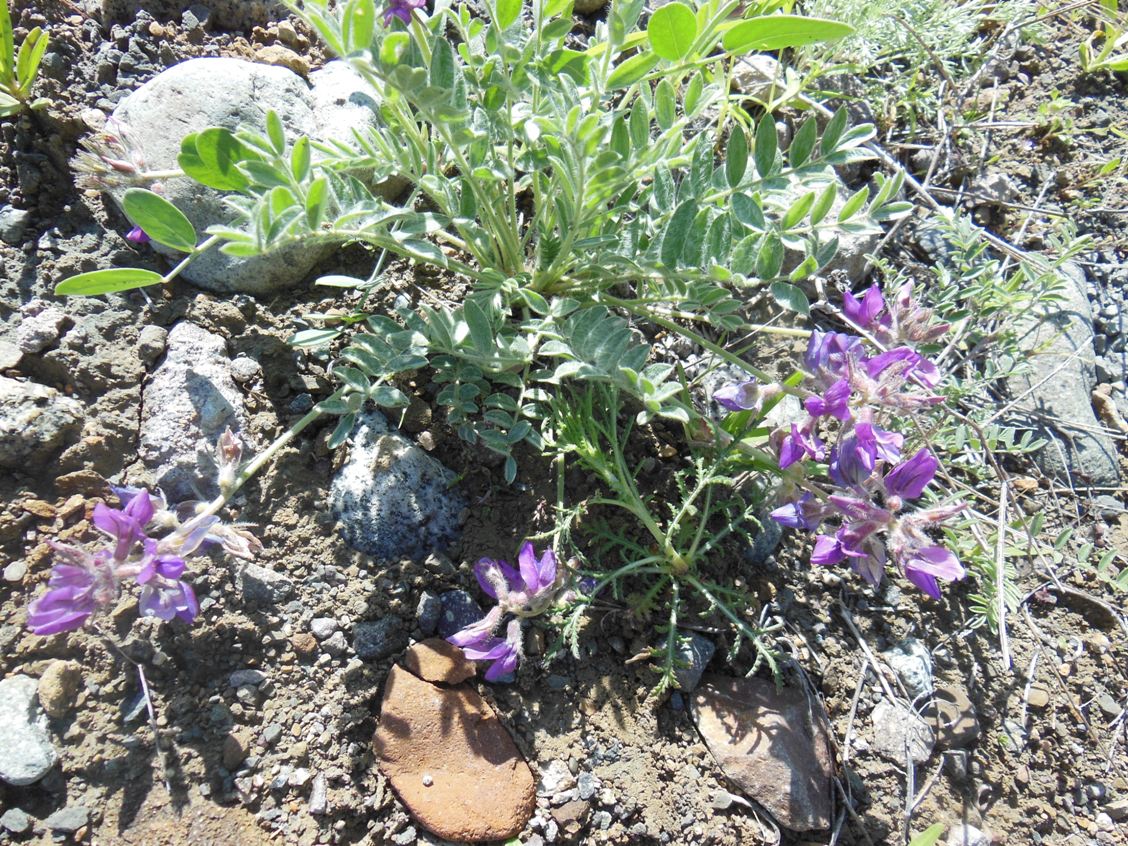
x: 259, y: 461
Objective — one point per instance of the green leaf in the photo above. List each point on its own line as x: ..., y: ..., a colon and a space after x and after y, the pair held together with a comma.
x: 481, y: 332
x: 766, y: 145
x: 107, y: 281
x: 736, y: 158
x: 632, y: 70
x: 640, y: 125
x: 693, y: 93
x: 852, y: 205
x: 744, y: 255
x: 791, y: 298
x: 507, y: 12
x: 300, y: 158
x: 748, y: 212
x: 275, y: 132
x: 672, y: 29
x: 360, y: 25
x: 342, y: 431
x: 161, y: 220
x: 778, y: 32
x: 210, y: 157
x: 388, y: 397
x: 673, y: 240
x: 315, y: 201
x: 803, y: 143
x: 7, y: 46
x: 797, y: 211
x: 31, y: 53
x: 770, y: 259
x: 442, y: 65
x: 665, y: 103
x: 822, y: 205
x: 929, y: 837
x: 833, y: 131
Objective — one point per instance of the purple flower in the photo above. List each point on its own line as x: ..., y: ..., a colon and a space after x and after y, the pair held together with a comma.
x: 524, y: 591
x: 827, y: 551
x: 126, y: 525
x: 137, y: 235
x: 159, y: 566
x: 80, y: 584
x: 504, y: 653
x: 908, y: 364
x: 909, y: 478
x: 478, y: 632
x: 401, y: 9
x: 739, y: 396
x: 863, y: 313
x: 799, y: 444
x: 168, y: 598
x: 927, y: 564
x: 806, y: 512
x: 835, y: 402
x: 829, y: 351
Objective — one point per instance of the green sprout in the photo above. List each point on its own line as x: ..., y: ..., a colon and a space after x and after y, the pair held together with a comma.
x: 19, y: 69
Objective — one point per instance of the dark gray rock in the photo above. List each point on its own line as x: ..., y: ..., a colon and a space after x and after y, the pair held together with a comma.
x: 35, y: 421
x: 898, y: 732
x: 459, y: 609
x: 26, y: 754
x: 261, y: 586
x: 188, y: 403
x: 375, y: 640
x: 910, y: 660
x: 391, y: 499
x: 1054, y: 397
x: 68, y: 820
x: 428, y: 611
x: 696, y: 651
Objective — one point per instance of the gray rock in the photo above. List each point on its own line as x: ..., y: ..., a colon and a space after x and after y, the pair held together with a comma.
x: 967, y: 835
x: 15, y: 571
x: 459, y: 609
x: 375, y: 640
x: 318, y: 796
x: 271, y: 734
x: 13, y: 222
x: 187, y: 404
x: 35, y: 421
x: 392, y: 500
x: 323, y: 627
x: 261, y: 586
x: 68, y: 820
x: 1054, y: 397
x: 897, y: 730
x: 427, y: 612
x: 245, y: 369
x: 151, y: 343
x: 232, y: 93
x: 765, y: 541
x: 913, y: 665
x: 15, y: 821
x: 337, y: 645
x: 40, y: 327
x: 242, y: 677
x: 696, y: 651
x: 10, y: 355
x: 26, y: 755
x: 587, y: 784
x: 756, y: 74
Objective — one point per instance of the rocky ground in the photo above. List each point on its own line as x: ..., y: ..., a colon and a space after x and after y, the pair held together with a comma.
x: 266, y: 707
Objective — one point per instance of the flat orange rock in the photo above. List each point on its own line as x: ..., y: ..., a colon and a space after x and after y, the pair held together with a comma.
x: 435, y: 660
x: 451, y: 761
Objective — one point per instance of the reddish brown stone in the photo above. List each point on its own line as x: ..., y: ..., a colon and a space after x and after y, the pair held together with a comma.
x: 304, y: 643
x: 774, y: 745
x: 435, y: 660
x: 451, y: 761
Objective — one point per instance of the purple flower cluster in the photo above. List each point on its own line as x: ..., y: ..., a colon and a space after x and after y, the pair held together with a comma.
x: 525, y: 591
x: 402, y: 9
x: 867, y: 482
x: 82, y: 583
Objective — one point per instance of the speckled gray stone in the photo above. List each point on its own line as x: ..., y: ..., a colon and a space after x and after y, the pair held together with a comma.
x: 69, y: 819
x: 35, y: 421
x: 391, y: 499
x: 15, y: 821
x: 378, y: 639
x: 910, y: 660
x: 459, y: 609
x: 189, y: 401
x: 26, y: 753
x: 427, y: 612
x: 261, y: 586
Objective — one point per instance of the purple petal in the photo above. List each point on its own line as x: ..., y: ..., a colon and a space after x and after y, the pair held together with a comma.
x: 527, y: 561
x: 909, y: 478
x: 924, y: 581
x: 804, y: 513
x: 512, y: 577
x: 739, y: 396
x: 502, y: 667
x: 827, y: 551
x: 140, y: 508
x: 547, y: 568
x: 863, y: 313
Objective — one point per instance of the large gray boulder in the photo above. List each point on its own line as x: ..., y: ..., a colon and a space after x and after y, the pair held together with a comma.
x: 189, y: 401
x: 1053, y: 397
x: 26, y: 753
x: 233, y: 93
x: 391, y: 499
x: 35, y: 421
